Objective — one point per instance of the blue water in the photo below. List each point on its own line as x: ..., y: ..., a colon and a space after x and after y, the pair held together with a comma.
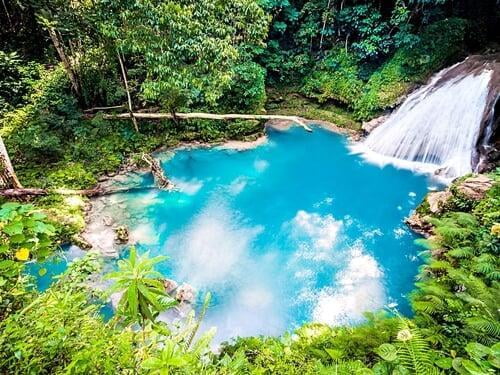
x: 46, y: 272
x: 293, y: 231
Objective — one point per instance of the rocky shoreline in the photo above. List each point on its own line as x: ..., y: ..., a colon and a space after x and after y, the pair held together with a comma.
x: 463, y: 191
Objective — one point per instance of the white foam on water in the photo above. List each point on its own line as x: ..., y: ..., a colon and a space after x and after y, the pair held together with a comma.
x: 142, y: 201
x: 212, y: 248
x: 372, y: 233
x: 261, y: 165
x: 357, y: 288
x: 304, y: 274
x: 321, y: 230
x: 254, y: 310
x: 189, y: 187
x: 256, y: 297
x: 237, y: 185
x: 145, y: 234
x: 325, y: 202
x: 399, y: 232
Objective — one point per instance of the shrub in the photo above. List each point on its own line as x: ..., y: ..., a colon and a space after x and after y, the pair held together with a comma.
x: 99, y: 79
x: 335, y: 78
x: 41, y: 128
x: 17, y: 79
x: 247, y: 92
x: 25, y: 234
x: 57, y: 333
x: 440, y: 42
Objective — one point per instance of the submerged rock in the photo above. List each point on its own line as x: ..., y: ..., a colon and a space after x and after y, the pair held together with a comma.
x: 107, y: 220
x: 121, y: 234
x: 185, y: 293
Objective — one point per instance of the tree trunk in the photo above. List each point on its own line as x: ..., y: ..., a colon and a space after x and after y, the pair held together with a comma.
x: 210, y: 116
x: 159, y: 176
x: 325, y: 20
x: 65, y: 61
x: 8, y: 177
x: 129, y: 98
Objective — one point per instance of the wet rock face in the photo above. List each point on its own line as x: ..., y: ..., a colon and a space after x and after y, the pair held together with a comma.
x: 475, y: 187
x: 419, y: 225
x: 371, y: 125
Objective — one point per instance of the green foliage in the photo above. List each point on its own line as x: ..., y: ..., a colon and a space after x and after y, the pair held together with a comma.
x: 247, y: 90
x: 16, y: 81
x: 316, y: 348
x: 482, y: 360
x: 99, y: 81
x: 188, y: 47
x: 370, y: 33
x: 143, y: 294
x: 209, y: 55
x: 439, y: 43
x: 456, y: 298
x: 337, y: 78
x: 25, y: 234
x: 409, y: 354
x: 41, y: 128
x: 59, y: 332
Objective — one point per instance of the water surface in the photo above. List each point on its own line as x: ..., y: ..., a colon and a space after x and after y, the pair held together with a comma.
x: 293, y: 231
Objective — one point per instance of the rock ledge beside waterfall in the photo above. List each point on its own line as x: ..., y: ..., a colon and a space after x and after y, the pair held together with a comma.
x: 472, y: 188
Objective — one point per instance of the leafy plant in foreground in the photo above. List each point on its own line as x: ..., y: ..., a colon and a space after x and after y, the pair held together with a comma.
x: 144, y: 295
x: 25, y: 235
x: 410, y: 354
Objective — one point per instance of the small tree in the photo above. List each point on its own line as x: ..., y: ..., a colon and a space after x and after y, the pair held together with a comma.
x: 144, y: 295
x: 187, y: 48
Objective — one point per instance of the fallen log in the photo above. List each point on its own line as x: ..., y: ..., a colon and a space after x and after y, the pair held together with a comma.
x: 157, y: 171
x: 209, y: 116
x: 98, y: 191
x: 96, y: 109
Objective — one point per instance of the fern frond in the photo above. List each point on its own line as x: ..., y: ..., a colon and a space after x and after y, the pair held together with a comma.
x: 461, y: 253
x: 483, y: 325
x: 414, y: 352
x: 429, y: 306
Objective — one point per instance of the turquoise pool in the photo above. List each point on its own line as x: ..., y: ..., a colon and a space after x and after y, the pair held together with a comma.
x: 295, y: 230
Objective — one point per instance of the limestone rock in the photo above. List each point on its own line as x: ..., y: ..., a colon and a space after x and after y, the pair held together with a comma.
x: 419, y: 225
x: 185, y: 293
x: 81, y: 242
x: 121, y: 234
x: 371, y: 125
x: 170, y: 285
x: 107, y: 220
x: 437, y: 200
x: 475, y: 187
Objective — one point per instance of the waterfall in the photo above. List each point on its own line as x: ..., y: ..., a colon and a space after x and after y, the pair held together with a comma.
x: 437, y: 128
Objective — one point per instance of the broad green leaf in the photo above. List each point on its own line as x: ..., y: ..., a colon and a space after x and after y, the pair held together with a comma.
x: 388, y: 352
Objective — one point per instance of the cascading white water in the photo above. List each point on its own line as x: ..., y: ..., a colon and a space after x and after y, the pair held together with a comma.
x: 437, y: 127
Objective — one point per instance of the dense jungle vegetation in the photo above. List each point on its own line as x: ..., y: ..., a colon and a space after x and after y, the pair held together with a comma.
x: 344, y: 61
